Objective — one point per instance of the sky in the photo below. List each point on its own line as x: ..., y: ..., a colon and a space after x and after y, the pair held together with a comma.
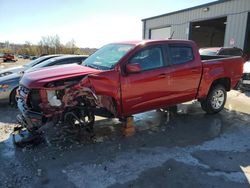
x: 91, y: 23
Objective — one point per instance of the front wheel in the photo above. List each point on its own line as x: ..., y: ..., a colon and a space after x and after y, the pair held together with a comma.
x: 215, y: 100
x: 81, y: 118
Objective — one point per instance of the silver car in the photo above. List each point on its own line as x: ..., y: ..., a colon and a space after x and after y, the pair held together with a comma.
x: 9, y: 83
x: 13, y: 70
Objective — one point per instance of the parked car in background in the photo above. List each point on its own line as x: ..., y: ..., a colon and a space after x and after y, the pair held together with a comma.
x: 17, y: 69
x: 26, y: 56
x: 8, y: 57
x: 62, y: 60
x: 244, y: 83
x: 33, y: 57
x: 223, y: 51
x: 8, y: 71
x: 9, y: 84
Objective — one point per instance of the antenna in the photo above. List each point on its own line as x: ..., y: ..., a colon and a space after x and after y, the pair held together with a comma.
x: 171, y: 35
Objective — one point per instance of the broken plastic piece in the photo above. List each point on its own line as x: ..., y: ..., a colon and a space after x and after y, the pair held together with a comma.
x: 24, y: 138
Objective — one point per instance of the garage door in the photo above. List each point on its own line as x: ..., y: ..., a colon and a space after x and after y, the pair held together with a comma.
x: 209, y: 33
x: 161, y: 33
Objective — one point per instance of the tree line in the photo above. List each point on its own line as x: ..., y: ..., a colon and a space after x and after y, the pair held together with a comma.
x: 47, y: 45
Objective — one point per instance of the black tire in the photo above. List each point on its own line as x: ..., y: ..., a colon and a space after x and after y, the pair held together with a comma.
x: 215, y: 100
x: 85, y: 119
x: 13, y: 102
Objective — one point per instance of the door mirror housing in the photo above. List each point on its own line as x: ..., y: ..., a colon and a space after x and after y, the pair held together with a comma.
x: 133, y: 68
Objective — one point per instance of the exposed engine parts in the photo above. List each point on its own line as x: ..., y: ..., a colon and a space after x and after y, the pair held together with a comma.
x: 52, y: 98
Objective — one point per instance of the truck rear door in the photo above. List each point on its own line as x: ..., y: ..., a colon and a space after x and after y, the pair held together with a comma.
x: 186, y: 72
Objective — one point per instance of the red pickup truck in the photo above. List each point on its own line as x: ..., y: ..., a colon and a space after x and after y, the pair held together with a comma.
x: 122, y: 79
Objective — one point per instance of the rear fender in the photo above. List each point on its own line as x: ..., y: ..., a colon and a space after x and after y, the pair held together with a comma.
x: 209, y: 77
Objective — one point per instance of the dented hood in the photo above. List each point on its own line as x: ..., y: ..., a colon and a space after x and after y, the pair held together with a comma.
x: 40, y: 77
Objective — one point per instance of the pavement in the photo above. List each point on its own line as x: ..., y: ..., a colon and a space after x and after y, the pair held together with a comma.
x: 184, y: 149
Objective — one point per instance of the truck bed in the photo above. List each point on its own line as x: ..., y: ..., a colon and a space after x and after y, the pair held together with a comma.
x: 215, y: 67
x: 214, y: 57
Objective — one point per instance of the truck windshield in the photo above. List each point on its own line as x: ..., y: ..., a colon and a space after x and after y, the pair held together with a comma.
x: 106, y: 57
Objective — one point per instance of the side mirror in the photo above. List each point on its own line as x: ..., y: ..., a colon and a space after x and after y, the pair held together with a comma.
x: 133, y: 68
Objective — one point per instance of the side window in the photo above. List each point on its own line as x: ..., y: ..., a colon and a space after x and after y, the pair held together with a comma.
x: 180, y: 54
x: 66, y: 61
x: 151, y: 58
x: 77, y: 60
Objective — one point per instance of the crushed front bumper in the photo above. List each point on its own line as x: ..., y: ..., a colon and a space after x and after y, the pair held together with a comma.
x: 30, y: 119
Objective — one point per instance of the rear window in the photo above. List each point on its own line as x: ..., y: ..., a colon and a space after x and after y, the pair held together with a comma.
x: 180, y: 54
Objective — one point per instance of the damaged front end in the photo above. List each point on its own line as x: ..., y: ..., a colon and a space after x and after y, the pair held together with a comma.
x: 70, y: 101
x: 30, y: 117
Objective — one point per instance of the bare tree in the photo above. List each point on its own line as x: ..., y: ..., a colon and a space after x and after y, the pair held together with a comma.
x: 47, y: 45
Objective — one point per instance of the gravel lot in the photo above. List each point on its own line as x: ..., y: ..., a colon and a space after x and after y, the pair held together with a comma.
x: 187, y: 149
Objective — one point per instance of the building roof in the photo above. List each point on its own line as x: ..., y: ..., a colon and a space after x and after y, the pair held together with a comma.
x: 187, y: 9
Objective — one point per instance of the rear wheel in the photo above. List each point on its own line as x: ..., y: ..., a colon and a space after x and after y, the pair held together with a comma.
x: 215, y: 100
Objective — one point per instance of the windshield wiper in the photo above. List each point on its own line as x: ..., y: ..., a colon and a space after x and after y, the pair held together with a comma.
x: 91, y: 66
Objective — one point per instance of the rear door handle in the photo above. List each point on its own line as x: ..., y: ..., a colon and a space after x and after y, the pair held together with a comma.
x: 162, y: 76
x: 194, y: 70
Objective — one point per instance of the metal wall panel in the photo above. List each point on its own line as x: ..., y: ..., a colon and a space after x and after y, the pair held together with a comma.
x: 235, y: 10
x: 235, y: 30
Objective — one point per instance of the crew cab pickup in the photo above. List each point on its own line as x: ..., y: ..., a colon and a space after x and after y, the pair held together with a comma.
x: 122, y: 79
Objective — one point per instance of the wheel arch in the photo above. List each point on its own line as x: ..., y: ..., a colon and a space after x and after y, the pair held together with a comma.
x: 11, y: 93
x: 226, y: 82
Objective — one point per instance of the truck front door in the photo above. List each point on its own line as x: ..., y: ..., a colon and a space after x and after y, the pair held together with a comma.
x: 149, y: 88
